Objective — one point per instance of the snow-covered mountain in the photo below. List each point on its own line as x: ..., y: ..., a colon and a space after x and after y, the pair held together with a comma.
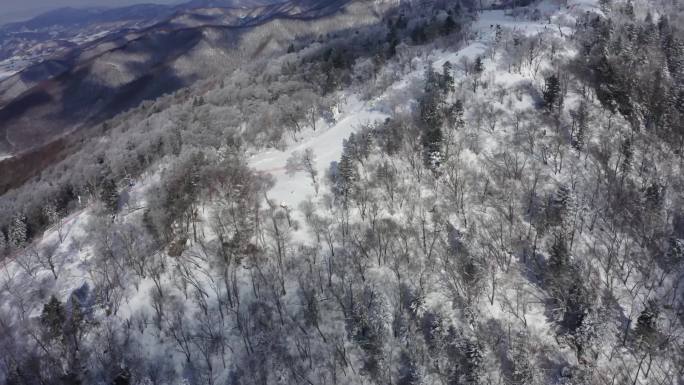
x: 96, y: 80
x: 404, y: 192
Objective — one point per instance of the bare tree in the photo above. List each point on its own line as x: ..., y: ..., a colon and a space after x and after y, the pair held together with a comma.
x: 46, y: 257
x: 305, y: 162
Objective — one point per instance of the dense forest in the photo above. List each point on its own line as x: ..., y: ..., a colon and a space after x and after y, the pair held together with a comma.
x: 515, y: 217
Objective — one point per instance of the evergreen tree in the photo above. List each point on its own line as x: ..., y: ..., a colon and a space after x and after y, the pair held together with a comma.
x: 673, y: 49
x: 431, y: 79
x: 51, y: 213
x: 109, y: 195
x: 565, y: 285
x: 581, y: 126
x: 472, y: 364
x: 432, y: 146
x: 478, y: 67
x: 552, y: 93
x: 587, y: 338
x: 654, y: 196
x: 18, y: 232
x: 577, y: 301
x: 559, y: 258
x: 454, y: 115
x: 522, y: 372
x: 123, y: 378
x: 649, y: 32
x: 392, y: 40
x: 74, y: 327
x: 347, y: 174
x: 646, y: 329
x: 561, y: 206
x: 418, y: 35
x: 628, y: 10
x: 3, y: 243
x: 402, y: 21
x: 448, y: 79
x: 53, y: 317
x: 431, y: 119
x: 449, y: 26
x: 409, y: 371
x: 657, y: 102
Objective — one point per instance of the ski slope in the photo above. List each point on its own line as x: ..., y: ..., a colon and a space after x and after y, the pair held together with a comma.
x: 326, y: 143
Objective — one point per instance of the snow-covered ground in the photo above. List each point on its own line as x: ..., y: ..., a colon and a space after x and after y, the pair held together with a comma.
x: 326, y: 143
x: 10, y: 67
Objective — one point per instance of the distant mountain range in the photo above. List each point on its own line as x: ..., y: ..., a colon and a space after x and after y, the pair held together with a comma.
x: 143, y: 52
x: 74, y: 16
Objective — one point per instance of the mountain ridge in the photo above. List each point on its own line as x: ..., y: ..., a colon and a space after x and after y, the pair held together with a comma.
x: 117, y: 72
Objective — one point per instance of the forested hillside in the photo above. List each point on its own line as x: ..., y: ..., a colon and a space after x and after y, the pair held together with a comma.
x: 458, y: 193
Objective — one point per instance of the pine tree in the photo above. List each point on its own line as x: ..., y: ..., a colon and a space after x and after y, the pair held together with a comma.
x: 523, y: 369
x: 409, y: 371
x: 657, y: 102
x: 18, y: 233
x: 587, y: 339
x: 582, y: 122
x: 431, y: 119
x: 605, y: 78
x: 552, y: 93
x: 392, y: 40
x: 75, y: 322
x: 646, y: 329
x: 447, y: 77
x: 430, y: 110
x: 649, y: 31
x: 431, y: 79
x: 654, y: 196
x: 454, y: 115
x: 3, y: 243
x: 673, y: 49
x: 53, y: 317
x: 449, y: 26
x: 628, y: 10
x: 109, y: 195
x: 432, y: 147
x: 472, y: 364
x: 347, y: 173
x: 478, y: 68
x: 559, y: 258
x: 51, y: 213
x: 561, y: 206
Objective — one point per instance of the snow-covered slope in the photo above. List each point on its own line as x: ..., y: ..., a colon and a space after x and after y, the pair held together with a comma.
x: 409, y: 271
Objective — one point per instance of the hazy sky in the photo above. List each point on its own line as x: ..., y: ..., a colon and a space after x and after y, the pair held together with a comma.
x: 11, y: 10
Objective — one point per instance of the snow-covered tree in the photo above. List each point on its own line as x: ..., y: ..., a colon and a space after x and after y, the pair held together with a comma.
x: 552, y: 94
x: 3, y: 243
x: 18, y: 232
x: 305, y: 162
x: 109, y: 195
